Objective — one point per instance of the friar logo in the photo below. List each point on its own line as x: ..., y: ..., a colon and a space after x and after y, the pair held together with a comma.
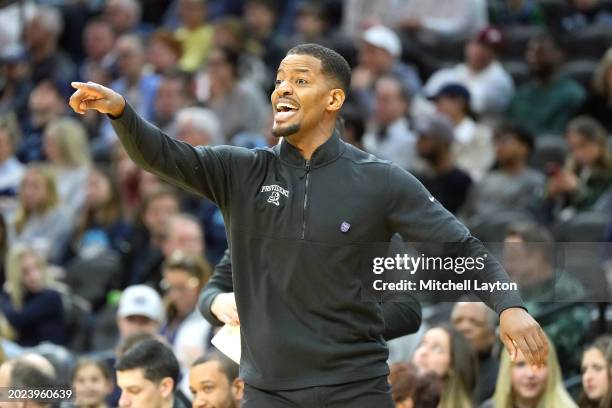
x: 276, y: 192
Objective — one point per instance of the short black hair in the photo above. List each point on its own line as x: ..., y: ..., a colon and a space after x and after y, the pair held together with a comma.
x: 332, y: 63
x: 517, y: 131
x: 228, y: 367
x: 155, y: 358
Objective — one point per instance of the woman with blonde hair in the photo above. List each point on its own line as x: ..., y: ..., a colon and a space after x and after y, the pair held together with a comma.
x: 520, y: 385
x: 65, y: 146
x: 40, y: 220
x: 599, y: 103
x: 31, y: 306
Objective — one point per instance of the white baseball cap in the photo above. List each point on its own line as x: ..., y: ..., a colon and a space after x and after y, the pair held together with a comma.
x: 385, y: 38
x: 141, y: 300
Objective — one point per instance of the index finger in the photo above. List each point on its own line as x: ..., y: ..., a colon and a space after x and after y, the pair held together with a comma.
x: 88, y: 87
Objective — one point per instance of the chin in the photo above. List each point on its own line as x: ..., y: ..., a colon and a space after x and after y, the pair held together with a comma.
x: 286, y: 130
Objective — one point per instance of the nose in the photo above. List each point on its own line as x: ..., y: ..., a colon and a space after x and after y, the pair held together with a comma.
x: 124, y: 400
x: 284, y: 88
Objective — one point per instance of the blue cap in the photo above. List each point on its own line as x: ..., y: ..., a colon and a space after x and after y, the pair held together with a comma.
x: 454, y: 90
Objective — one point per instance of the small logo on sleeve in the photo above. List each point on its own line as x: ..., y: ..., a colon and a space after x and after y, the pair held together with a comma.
x: 345, y: 227
x: 432, y: 199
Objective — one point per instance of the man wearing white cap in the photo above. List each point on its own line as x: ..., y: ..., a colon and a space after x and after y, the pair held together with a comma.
x: 379, y: 55
x: 140, y: 310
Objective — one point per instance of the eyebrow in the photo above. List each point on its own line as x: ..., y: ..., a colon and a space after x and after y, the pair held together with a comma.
x: 304, y: 70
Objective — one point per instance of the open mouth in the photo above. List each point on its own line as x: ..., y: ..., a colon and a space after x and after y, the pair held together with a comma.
x: 284, y: 111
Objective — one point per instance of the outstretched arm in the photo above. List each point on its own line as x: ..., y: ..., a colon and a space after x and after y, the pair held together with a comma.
x: 202, y: 170
x: 419, y: 218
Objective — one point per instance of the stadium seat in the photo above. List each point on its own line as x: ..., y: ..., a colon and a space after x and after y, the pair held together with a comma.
x: 590, y: 43
x: 516, y: 39
x: 492, y: 227
x: 548, y: 149
x: 518, y: 69
x: 588, y: 226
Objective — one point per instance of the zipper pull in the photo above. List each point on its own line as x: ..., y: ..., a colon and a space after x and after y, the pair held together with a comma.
x: 307, y: 170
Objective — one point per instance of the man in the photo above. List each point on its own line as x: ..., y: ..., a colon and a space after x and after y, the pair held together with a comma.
x: 548, y: 101
x: 473, y: 147
x: 490, y: 86
x: 442, y: 178
x: 147, y: 374
x: 140, y: 310
x: 214, y: 382
x: 379, y: 55
x: 170, y: 98
x: 28, y: 371
x: 478, y: 323
x: 390, y: 136
x: 513, y: 185
x: 307, y: 333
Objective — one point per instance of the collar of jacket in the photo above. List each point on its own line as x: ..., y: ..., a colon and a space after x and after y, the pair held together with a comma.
x: 324, y: 154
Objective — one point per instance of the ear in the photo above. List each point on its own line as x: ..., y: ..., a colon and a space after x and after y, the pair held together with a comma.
x: 238, y: 389
x: 166, y: 386
x: 335, y: 100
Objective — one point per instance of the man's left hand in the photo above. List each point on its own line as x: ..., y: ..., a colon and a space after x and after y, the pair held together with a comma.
x: 519, y: 331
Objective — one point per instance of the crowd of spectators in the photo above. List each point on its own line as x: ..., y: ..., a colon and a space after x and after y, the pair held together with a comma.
x: 501, y: 108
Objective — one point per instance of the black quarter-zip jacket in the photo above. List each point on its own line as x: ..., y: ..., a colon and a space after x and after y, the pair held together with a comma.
x: 297, y: 231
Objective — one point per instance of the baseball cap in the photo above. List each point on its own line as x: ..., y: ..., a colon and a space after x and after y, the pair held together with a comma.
x: 454, y: 90
x: 141, y: 300
x: 385, y: 38
x: 491, y: 37
x: 435, y: 126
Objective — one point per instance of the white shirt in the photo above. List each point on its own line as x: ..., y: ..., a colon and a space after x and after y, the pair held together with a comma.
x: 11, y: 173
x: 473, y: 148
x: 490, y: 89
x: 398, y: 144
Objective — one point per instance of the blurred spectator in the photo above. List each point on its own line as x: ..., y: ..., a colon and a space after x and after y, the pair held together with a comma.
x: 98, y: 43
x: 434, y: 21
x: 548, y: 101
x: 198, y: 127
x: 34, y: 310
x: 599, y: 103
x: 138, y: 86
x: 148, y: 374
x: 490, y: 86
x: 359, y: 15
x: 529, y: 257
x: 11, y: 170
x: 261, y: 18
x: 390, y: 136
x: 231, y: 33
x: 101, y: 222
x: 127, y: 176
x: 214, y: 382
x: 195, y: 34
x: 444, y: 180
x: 45, y: 104
x: 588, y: 170
x: 92, y: 382
x: 40, y: 220
x: 412, y: 387
x: 31, y: 372
x: 354, y: 127
x: 170, y: 98
x: 146, y: 256
x: 186, y: 330
x: 445, y: 352
x: 504, y: 13
x: 597, y: 374
x: 140, y: 310
x: 183, y: 234
x: 164, y: 52
x: 16, y: 84
x: 122, y: 15
x: 520, y: 385
x: 478, y: 325
x: 4, y: 245
x: 379, y: 55
x: 220, y: 90
x: 583, y: 14
x: 512, y: 185
x: 65, y: 146
x: 472, y: 147
x: 41, y: 37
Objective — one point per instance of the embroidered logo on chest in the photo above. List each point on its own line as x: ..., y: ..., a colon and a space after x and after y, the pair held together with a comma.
x: 276, y: 192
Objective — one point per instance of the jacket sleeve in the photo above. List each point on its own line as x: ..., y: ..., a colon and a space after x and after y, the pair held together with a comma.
x: 203, y: 170
x: 220, y: 282
x: 415, y: 214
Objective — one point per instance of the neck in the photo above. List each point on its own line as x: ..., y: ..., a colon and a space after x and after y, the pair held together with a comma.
x: 443, y: 164
x: 456, y: 117
x: 520, y: 402
x: 308, y: 143
x: 514, y: 167
x: 167, y: 403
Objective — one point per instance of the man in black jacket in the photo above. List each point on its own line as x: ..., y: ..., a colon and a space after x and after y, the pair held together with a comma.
x: 301, y: 216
